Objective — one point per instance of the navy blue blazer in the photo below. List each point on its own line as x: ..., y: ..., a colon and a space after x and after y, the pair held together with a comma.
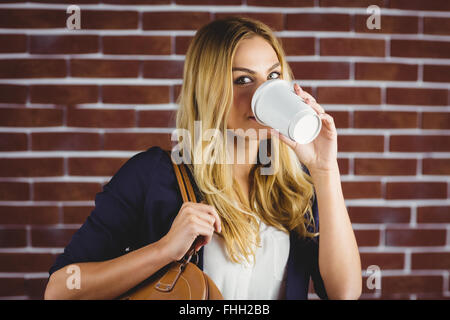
x: 137, y: 207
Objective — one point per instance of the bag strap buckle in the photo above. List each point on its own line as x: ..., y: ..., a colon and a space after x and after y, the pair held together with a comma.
x: 168, y: 281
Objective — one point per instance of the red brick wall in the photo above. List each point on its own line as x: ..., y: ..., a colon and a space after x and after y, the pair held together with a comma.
x: 74, y: 105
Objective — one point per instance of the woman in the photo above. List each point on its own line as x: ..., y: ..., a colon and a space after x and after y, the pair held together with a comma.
x: 258, y: 232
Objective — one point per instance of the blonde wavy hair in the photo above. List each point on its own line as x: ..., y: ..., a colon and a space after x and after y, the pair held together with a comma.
x: 283, y: 199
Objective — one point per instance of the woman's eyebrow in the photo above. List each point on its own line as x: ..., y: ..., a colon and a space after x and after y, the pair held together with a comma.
x: 253, y: 72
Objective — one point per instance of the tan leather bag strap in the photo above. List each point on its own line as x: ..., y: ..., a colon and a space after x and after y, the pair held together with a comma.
x: 179, y: 179
x: 188, y: 183
x: 184, y: 183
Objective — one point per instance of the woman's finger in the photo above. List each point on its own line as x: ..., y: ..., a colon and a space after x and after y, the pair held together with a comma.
x: 297, y: 89
x: 303, y: 94
x: 312, y: 102
x: 317, y: 107
x: 202, y: 223
x: 208, y: 218
x: 204, y: 237
x: 309, y: 99
x: 329, y: 120
x: 201, y: 228
x: 211, y: 211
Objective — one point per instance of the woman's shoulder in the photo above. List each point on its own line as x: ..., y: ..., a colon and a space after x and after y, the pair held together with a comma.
x: 141, y: 168
x: 152, y: 155
x: 147, y: 161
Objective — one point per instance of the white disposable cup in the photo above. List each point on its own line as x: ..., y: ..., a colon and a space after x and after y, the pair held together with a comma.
x: 275, y: 104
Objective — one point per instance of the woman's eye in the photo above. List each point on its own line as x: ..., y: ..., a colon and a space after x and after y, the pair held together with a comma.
x: 239, y: 82
x: 277, y: 74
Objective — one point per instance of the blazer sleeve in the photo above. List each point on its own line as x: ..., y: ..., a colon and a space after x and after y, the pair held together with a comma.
x: 118, y: 207
x: 319, y: 286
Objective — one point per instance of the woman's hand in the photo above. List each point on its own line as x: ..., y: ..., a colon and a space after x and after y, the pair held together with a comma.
x: 193, y: 220
x: 321, y: 153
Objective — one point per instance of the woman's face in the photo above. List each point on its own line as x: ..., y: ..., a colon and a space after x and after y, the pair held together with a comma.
x: 255, y: 62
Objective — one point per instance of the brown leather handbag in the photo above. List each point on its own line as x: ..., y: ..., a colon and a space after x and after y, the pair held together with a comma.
x: 183, y: 280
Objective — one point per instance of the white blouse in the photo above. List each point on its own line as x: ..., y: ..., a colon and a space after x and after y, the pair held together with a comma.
x: 263, y: 280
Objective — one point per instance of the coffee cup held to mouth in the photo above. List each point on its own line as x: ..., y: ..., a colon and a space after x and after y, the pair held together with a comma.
x: 275, y: 104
